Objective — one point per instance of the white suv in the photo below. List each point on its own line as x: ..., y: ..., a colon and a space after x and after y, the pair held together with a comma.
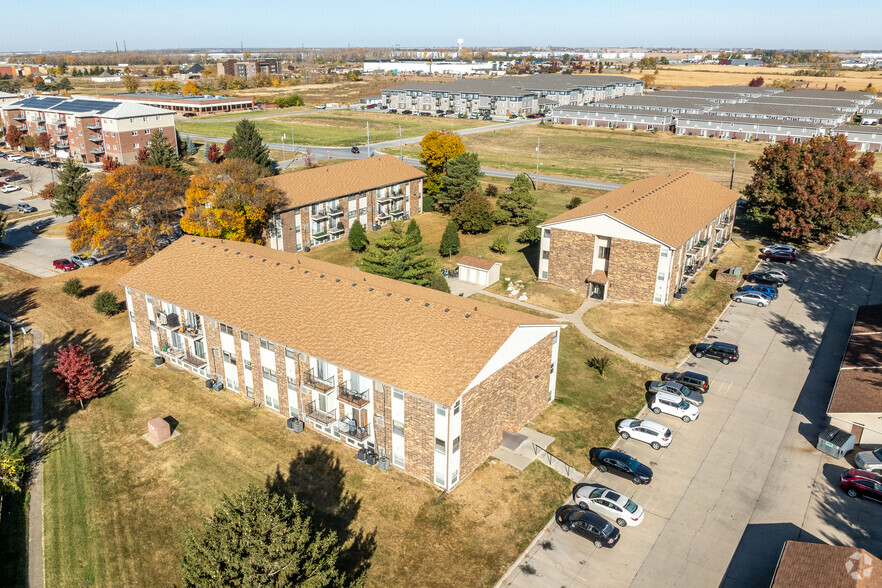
x: 656, y: 435
x: 673, y: 404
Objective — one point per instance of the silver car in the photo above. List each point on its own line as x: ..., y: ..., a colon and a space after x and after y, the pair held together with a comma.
x: 779, y: 274
x: 690, y: 396
x: 752, y: 298
x: 82, y: 261
x: 779, y: 248
x: 870, y: 460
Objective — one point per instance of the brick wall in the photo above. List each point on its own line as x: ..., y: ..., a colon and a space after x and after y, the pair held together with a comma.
x: 142, y: 321
x: 570, y: 258
x: 419, y: 437
x: 504, y: 401
x: 632, y: 270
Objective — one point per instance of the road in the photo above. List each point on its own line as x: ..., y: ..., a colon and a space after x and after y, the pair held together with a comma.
x: 744, y: 477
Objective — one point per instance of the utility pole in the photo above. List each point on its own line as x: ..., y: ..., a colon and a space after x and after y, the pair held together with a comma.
x: 400, y: 145
x: 732, y: 178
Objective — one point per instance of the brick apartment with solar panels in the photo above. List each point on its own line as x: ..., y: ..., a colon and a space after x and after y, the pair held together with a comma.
x: 90, y: 129
x: 205, y: 104
x: 640, y: 242
x: 321, y: 204
x: 424, y: 378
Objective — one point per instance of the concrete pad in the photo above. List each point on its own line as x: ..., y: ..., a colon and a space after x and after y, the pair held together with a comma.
x: 516, y: 460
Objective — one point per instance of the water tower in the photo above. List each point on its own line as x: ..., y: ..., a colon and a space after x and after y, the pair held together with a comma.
x: 459, y: 43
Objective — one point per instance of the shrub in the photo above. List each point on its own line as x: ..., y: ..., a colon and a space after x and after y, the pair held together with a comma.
x: 530, y: 236
x: 437, y: 282
x: 492, y: 191
x: 106, y: 303
x: 600, y: 364
x: 574, y: 202
x: 500, y: 244
x: 73, y: 287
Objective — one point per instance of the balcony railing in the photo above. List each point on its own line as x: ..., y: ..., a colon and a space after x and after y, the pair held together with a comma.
x: 383, y: 214
x: 318, y: 383
x: 322, y: 235
x: 61, y: 132
x: 192, y: 332
x: 194, y: 360
x: 397, y: 212
x: 351, y: 429
x: 22, y: 128
x: 385, y: 198
x: 336, y: 228
x: 62, y: 145
x: 97, y: 151
x: 176, y: 352
x: 96, y: 138
x: 19, y: 117
x: 95, y: 126
x: 353, y: 397
x: 313, y: 412
x: 335, y: 211
x: 41, y: 129
x: 169, y: 321
x: 319, y: 214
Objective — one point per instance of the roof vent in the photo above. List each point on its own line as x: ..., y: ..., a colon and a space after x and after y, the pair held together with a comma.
x: 468, y: 315
x: 213, y: 246
x: 353, y: 284
x: 388, y: 293
x: 238, y: 253
x: 426, y: 304
x: 338, y: 279
x: 305, y: 271
x: 446, y: 310
x: 321, y: 275
x: 290, y: 268
x: 370, y: 289
x: 263, y: 260
x: 407, y: 299
x: 250, y: 256
x: 278, y: 264
x: 298, y: 262
x: 226, y: 248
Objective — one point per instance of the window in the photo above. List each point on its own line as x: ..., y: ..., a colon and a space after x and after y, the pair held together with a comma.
x: 544, y: 275
x: 547, y: 233
x: 603, y: 252
x: 229, y: 358
x: 227, y: 329
x: 249, y: 391
x: 247, y: 364
x: 440, y: 446
x: 290, y: 353
x: 243, y: 335
x: 269, y: 374
x: 456, y: 407
x: 233, y: 384
x: 454, y: 477
x: 264, y: 344
x: 397, y: 394
x: 661, y: 277
x: 440, y: 411
x: 545, y: 255
x: 664, y: 253
x: 362, y: 211
x: 352, y: 213
x: 455, y: 446
x: 397, y: 428
x: 439, y: 478
x: 292, y: 385
x: 134, y: 133
x: 136, y: 145
x: 552, y: 368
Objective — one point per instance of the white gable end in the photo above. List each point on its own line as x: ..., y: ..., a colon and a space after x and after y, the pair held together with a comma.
x: 605, y: 225
x: 524, y: 337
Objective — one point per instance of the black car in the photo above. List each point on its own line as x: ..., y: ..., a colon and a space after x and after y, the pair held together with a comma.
x: 723, y: 352
x: 692, y: 380
x: 354, y: 150
x: 589, y: 525
x: 609, y: 460
x: 764, y: 278
x: 406, y: 112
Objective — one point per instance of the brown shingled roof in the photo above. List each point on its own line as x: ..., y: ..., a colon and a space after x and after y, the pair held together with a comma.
x: 670, y: 208
x: 424, y: 341
x: 831, y: 566
x: 857, y: 391
x: 484, y: 264
x: 323, y: 183
x: 859, y: 384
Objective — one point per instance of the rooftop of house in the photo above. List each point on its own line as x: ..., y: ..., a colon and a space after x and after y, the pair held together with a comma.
x: 859, y: 385
x: 870, y: 131
x: 746, y: 122
x: 417, y: 339
x: 826, y: 565
x: 778, y: 110
x: 166, y: 96
x: 87, y: 107
x: 606, y: 110
x: 477, y: 262
x: 518, y: 85
x: 670, y: 208
x: 651, y: 100
x: 333, y: 181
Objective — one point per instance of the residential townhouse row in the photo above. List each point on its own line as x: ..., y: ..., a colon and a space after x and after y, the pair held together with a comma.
x: 321, y: 204
x: 427, y: 379
x: 641, y: 242
x: 89, y: 129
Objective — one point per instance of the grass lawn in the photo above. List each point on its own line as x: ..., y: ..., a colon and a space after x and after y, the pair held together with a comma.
x: 117, y: 510
x: 333, y: 128
x: 663, y: 333
x: 511, y: 305
x: 53, y: 231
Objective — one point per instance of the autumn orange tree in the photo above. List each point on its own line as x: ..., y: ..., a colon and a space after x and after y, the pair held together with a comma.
x: 228, y: 200
x: 436, y: 149
x: 78, y: 378
x: 43, y: 141
x: 129, y: 208
x: 190, y: 89
x: 13, y: 136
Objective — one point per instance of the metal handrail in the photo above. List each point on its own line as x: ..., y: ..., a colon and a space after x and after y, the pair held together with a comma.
x: 551, y: 456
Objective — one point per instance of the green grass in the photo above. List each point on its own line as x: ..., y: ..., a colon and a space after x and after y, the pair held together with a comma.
x: 336, y: 128
x: 511, y: 305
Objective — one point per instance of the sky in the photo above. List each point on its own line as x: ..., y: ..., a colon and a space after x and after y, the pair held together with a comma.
x: 163, y: 24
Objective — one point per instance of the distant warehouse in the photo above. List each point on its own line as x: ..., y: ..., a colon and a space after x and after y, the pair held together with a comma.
x: 206, y: 104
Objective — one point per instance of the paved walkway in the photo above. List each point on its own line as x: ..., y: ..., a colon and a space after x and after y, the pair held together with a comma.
x: 36, y: 574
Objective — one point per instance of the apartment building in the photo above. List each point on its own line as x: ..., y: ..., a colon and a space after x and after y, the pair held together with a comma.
x: 640, y: 242
x: 748, y: 129
x: 863, y: 137
x: 249, y: 68
x: 90, y: 129
x: 613, y: 118
x: 321, y: 204
x: 205, y: 104
x: 425, y: 378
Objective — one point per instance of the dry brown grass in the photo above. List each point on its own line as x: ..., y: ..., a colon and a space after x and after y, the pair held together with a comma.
x: 681, y: 76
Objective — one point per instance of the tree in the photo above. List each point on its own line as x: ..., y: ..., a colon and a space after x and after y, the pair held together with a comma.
x: 815, y: 190
x: 47, y: 192
x: 190, y: 89
x: 450, y: 240
x: 213, y: 153
x: 228, y: 201
x: 141, y: 155
x: 73, y: 179
x: 756, y: 82
x: 648, y: 80
x: 12, y: 464
x: 358, y: 240
x: 246, y: 143
x: 190, y: 147
x: 436, y: 149
x: 3, y: 219
x: 28, y: 142
x: 129, y: 209
x: 492, y: 191
x: 574, y: 202
x: 437, y: 282
x: 473, y: 213
x: 158, y: 71
x: 227, y: 146
x: 530, y: 236
x: 108, y: 164
x: 413, y: 231
x: 106, y: 303
x: 73, y: 287
x: 397, y: 256
x: 78, y: 378
x: 259, y: 538
x: 13, y: 136
x: 463, y: 173
x: 162, y: 153
x: 131, y: 84
x: 516, y: 205
x: 500, y: 244
x: 43, y: 141
x: 64, y: 84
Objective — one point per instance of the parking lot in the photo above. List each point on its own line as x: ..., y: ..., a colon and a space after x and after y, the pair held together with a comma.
x: 744, y: 477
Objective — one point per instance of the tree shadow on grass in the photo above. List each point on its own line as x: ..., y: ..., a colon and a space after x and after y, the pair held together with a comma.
x: 316, y: 479
x: 18, y: 303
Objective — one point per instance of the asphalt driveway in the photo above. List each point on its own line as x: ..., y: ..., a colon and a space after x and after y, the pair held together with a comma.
x: 744, y: 477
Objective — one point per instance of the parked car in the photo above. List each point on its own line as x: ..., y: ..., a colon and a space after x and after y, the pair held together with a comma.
x: 188, y: 114
x: 786, y: 257
x: 677, y: 389
x: 64, y: 265
x: 763, y: 277
x: 425, y: 114
x: 406, y: 112
x: 755, y: 298
x: 15, y: 157
x: 354, y: 150
x: 9, y: 188
x: 610, y: 460
x: 393, y: 110
x: 692, y: 380
x: 779, y: 247
x: 778, y: 273
x: 870, y: 461
x: 723, y: 352
x: 82, y: 260
x: 674, y: 405
x: 857, y: 482
x: 25, y: 208
x: 605, y: 502
x: 656, y: 435
x: 28, y: 160
x: 770, y: 291
x: 319, y: 106
x: 587, y: 524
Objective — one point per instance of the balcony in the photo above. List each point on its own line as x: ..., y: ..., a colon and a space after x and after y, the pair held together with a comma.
x: 385, y: 198
x: 192, y: 332
x: 59, y: 122
x: 62, y: 145
x: 19, y: 117
x: 22, y: 128
x: 41, y: 129
x: 353, y: 397
x: 336, y: 228
x: 318, y: 215
x: 322, y: 235
x: 335, y: 211
x: 95, y: 126
x: 314, y: 413
x: 60, y: 133
x: 351, y: 429
x: 318, y: 383
x: 169, y: 321
x: 175, y: 352
x: 194, y: 360
x: 97, y: 151
x: 397, y: 212
x: 96, y: 138
x: 383, y: 213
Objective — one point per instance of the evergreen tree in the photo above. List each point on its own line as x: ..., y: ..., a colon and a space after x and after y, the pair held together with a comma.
x: 358, y: 240
x: 413, y: 231
x: 438, y: 282
x: 463, y: 173
x: 190, y: 147
x: 473, y: 214
x: 516, y: 207
x: 247, y: 143
x: 160, y: 152
x: 450, y: 240
x: 72, y: 181
x: 397, y: 256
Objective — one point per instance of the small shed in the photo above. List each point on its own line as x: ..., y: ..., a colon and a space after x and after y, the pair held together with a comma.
x: 836, y: 442
x: 478, y: 271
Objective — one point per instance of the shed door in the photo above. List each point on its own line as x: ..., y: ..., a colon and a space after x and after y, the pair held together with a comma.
x: 856, y: 430
x: 482, y: 277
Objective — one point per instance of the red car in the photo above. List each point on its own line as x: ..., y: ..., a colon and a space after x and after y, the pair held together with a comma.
x: 780, y: 256
x: 64, y: 265
x: 857, y: 482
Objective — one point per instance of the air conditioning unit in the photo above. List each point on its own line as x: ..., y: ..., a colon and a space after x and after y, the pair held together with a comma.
x: 162, y: 318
